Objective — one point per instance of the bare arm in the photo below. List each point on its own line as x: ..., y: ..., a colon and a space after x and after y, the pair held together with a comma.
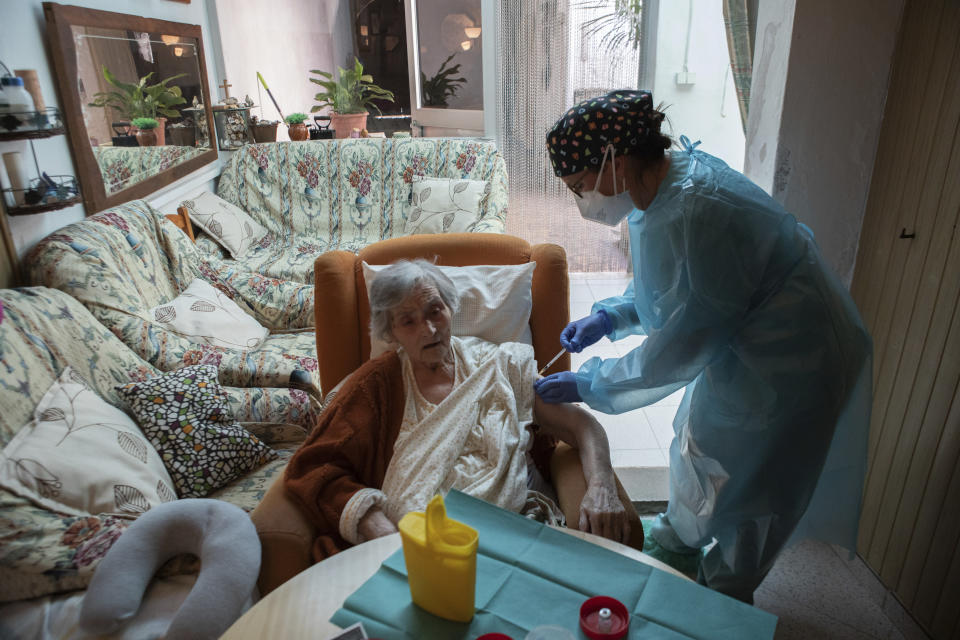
x: 601, y: 511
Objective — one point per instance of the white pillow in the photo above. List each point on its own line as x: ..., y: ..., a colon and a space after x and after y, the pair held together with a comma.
x: 495, y: 302
x: 206, y: 315
x: 226, y: 223
x: 82, y: 456
x: 444, y: 205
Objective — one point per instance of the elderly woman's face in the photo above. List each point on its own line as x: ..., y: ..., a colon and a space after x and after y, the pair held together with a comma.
x: 421, y: 324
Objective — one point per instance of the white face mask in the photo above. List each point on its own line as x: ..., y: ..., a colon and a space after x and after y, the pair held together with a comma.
x: 608, y: 210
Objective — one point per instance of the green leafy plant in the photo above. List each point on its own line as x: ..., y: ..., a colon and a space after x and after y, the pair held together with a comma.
x: 145, y: 123
x: 295, y: 118
x: 618, y: 29
x: 140, y: 100
x: 352, y: 92
x: 441, y: 87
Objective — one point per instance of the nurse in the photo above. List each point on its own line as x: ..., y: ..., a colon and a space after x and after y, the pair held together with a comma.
x: 738, y: 307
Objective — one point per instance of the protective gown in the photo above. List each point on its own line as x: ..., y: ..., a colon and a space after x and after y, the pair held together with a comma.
x: 737, y: 303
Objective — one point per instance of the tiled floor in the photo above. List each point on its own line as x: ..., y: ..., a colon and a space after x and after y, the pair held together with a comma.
x: 639, y: 439
x: 817, y: 592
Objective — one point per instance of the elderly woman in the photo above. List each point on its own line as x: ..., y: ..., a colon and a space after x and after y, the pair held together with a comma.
x: 439, y: 413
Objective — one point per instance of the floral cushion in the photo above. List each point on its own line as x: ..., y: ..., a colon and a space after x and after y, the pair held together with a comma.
x: 204, y: 314
x: 185, y: 416
x: 82, y: 456
x: 226, y: 223
x: 443, y: 205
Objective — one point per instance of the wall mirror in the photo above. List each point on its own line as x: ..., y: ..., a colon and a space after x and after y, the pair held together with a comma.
x: 117, y: 76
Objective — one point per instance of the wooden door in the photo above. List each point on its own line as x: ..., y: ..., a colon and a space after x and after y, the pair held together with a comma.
x: 907, y: 285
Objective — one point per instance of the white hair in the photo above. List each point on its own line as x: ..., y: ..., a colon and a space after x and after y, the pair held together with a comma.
x: 394, y: 283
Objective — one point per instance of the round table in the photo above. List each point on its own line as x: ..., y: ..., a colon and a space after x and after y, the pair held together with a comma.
x: 302, y: 607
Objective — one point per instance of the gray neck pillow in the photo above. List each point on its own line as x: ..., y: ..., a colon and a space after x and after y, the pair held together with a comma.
x: 219, y: 533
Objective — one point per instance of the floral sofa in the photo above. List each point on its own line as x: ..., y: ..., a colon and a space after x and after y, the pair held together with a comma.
x: 44, y: 552
x: 129, y: 259
x: 324, y: 195
x: 121, y: 167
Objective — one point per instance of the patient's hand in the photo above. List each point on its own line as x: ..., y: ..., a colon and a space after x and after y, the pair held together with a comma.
x: 602, y: 513
x: 375, y: 525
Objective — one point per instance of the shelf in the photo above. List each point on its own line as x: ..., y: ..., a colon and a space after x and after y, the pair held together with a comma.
x: 64, y: 187
x: 17, y: 126
x: 29, y: 209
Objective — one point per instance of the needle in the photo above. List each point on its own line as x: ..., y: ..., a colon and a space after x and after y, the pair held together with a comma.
x: 555, y: 358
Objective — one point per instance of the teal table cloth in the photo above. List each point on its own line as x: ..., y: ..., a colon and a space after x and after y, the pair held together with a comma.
x: 529, y: 575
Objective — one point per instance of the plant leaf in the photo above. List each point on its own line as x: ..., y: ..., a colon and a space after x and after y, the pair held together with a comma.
x: 202, y: 306
x: 415, y: 214
x: 165, y: 314
x: 52, y: 415
x: 448, y: 220
x: 133, y: 445
x: 166, y: 493
x: 424, y: 194
x: 129, y: 499
x: 33, y: 474
x: 460, y: 187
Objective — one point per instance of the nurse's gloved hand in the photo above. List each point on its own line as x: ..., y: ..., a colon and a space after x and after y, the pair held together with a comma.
x: 585, y: 331
x: 558, y: 387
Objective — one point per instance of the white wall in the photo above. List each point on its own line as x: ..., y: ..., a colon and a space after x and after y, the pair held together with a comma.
x: 817, y: 155
x: 23, y: 46
x: 706, y: 110
x: 283, y: 40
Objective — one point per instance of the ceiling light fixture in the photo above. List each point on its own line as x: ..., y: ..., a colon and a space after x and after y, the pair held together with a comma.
x: 465, y: 45
x: 168, y: 40
x: 473, y: 32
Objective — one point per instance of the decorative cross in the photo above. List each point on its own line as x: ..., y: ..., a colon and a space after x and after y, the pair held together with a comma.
x: 224, y: 86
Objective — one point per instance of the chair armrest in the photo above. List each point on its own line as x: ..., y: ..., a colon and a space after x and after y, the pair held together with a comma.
x: 550, y: 311
x: 338, y: 327
x: 286, y: 538
x: 567, y: 474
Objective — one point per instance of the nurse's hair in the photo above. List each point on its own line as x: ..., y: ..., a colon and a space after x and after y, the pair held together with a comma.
x: 395, y: 282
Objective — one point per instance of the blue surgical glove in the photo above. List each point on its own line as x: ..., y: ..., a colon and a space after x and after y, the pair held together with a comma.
x: 558, y: 387
x: 585, y: 331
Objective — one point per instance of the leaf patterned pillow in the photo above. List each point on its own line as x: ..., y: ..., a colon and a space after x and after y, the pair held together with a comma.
x: 225, y: 222
x: 206, y: 315
x: 443, y: 205
x: 82, y: 456
x: 184, y: 414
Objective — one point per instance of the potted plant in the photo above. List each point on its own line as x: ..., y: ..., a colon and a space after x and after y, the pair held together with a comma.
x: 441, y: 87
x: 146, y: 131
x: 348, y: 97
x: 296, y: 128
x: 142, y: 100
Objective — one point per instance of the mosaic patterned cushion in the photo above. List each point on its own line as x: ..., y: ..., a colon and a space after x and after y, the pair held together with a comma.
x: 184, y: 414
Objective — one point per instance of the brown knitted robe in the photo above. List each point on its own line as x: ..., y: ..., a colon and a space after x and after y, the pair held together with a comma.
x: 351, y: 446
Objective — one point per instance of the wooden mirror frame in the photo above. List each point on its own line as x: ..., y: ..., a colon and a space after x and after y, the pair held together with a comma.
x: 60, y: 18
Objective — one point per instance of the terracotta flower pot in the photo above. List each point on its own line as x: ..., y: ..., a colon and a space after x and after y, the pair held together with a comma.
x: 147, y: 137
x: 344, y: 123
x: 298, y: 132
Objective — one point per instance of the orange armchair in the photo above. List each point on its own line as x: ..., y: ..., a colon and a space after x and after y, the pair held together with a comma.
x: 343, y: 344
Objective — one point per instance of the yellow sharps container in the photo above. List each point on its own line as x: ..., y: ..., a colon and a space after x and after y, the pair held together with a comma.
x: 441, y: 558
